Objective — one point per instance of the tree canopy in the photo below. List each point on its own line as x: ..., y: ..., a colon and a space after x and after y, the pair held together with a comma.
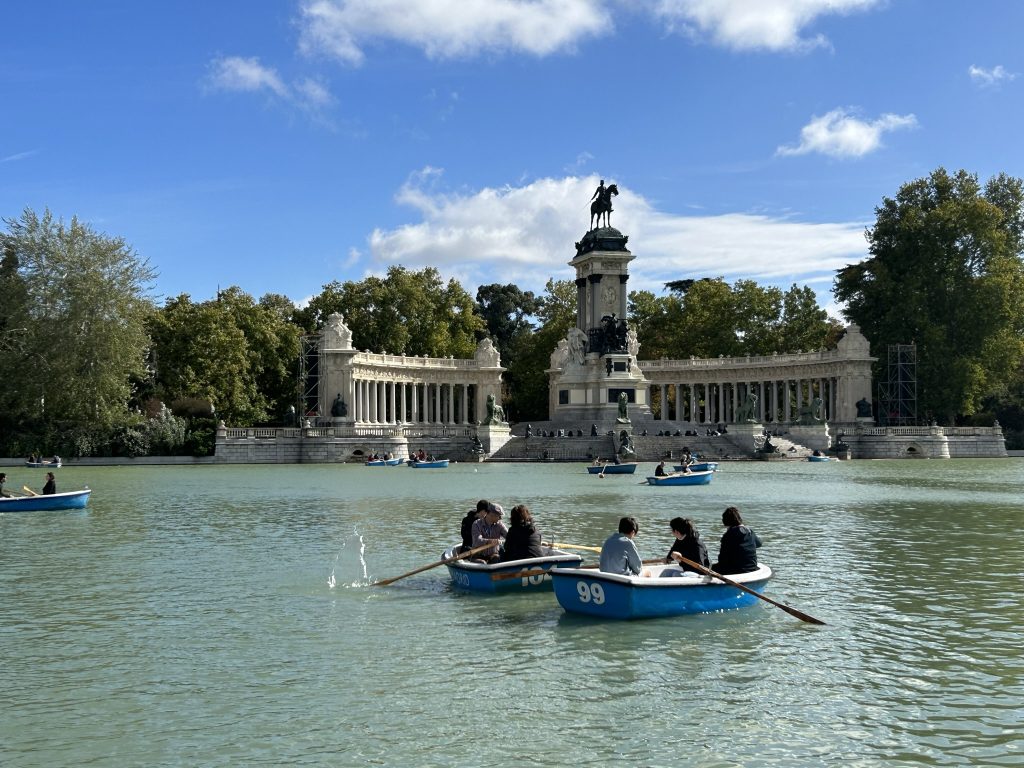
x: 945, y: 272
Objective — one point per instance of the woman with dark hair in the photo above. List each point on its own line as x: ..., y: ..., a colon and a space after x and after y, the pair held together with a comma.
x: 523, y: 539
x: 738, y: 552
x: 467, y: 523
x: 688, y: 544
x: 51, y: 485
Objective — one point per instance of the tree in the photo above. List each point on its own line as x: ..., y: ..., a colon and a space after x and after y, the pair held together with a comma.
x: 945, y: 272
x: 74, y: 322
x: 507, y: 310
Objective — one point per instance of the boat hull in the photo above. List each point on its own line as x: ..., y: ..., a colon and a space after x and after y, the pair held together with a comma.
x: 68, y: 500
x: 479, y: 577
x: 699, y: 466
x: 440, y: 464
x: 683, y: 478
x: 818, y: 458
x: 611, y: 596
x: 43, y: 464
x: 626, y: 468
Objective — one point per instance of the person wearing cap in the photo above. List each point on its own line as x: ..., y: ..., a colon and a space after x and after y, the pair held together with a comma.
x: 467, y: 523
x: 619, y: 553
x: 490, y: 530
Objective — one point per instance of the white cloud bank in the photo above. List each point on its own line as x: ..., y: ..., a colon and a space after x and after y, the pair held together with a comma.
x: 840, y: 134
x: 344, y: 29
x: 450, y: 28
x: 772, y: 25
x: 990, y: 78
x: 526, y: 235
x: 241, y: 74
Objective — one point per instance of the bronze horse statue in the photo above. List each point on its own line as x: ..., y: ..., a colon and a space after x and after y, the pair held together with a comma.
x: 603, y: 205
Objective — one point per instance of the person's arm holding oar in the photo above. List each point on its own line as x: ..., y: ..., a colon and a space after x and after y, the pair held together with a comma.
x: 539, y: 571
x: 445, y: 561
x: 708, y: 572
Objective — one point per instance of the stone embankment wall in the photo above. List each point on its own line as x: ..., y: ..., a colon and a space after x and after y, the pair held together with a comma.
x: 927, y: 442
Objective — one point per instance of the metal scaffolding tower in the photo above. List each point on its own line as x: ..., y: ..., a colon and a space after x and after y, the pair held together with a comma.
x: 309, y: 377
x: 897, y: 394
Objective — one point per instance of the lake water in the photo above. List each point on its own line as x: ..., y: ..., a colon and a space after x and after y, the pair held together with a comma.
x: 218, y: 616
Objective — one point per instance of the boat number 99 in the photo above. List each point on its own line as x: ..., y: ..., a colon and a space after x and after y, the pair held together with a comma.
x: 590, y: 593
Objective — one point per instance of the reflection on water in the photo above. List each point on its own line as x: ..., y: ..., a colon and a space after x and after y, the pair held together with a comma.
x: 193, y: 616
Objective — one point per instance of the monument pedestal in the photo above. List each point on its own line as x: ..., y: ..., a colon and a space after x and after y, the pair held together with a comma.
x: 493, y: 436
x: 744, y: 436
x: 814, y: 436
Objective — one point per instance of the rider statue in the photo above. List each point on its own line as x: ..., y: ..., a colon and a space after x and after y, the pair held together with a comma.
x: 599, y: 193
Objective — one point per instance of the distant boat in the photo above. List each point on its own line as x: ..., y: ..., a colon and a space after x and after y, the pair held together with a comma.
x: 44, y: 464
x: 384, y: 462
x: 625, y: 468
x: 817, y: 458
x: 666, y: 591
x: 505, y: 577
x: 699, y: 466
x: 67, y: 500
x: 435, y: 464
x: 682, y: 478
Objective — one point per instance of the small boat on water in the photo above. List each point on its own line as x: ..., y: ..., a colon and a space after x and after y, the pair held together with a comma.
x: 44, y: 464
x: 625, y: 468
x: 480, y: 577
x: 666, y: 591
x: 818, y: 458
x: 699, y: 466
x: 384, y: 462
x: 682, y: 478
x: 67, y: 500
x: 435, y: 464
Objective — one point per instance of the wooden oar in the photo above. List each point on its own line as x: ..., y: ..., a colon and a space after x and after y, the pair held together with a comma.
x: 558, y: 545
x: 538, y: 571
x: 29, y: 491
x: 792, y: 611
x: 464, y: 555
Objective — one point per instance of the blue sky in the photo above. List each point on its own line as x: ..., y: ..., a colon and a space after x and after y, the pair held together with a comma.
x: 279, y: 146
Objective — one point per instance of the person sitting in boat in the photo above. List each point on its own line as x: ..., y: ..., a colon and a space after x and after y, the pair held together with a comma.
x: 4, y: 494
x: 490, y: 530
x: 51, y: 485
x: 688, y: 544
x: 523, y: 539
x: 659, y: 471
x: 686, y: 459
x: 619, y: 553
x: 816, y: 452
x: 738, y: 551
x: 467, y: 523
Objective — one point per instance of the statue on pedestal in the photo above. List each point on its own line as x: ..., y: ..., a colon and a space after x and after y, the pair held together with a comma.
x: 338, y: 408
x: 495, y: 413
x: 863, y: 408
x: 602, y: 204
x: 623, y: 405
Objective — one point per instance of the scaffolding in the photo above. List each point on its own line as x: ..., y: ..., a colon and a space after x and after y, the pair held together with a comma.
x: 309, y: 377
x: 897, y: 393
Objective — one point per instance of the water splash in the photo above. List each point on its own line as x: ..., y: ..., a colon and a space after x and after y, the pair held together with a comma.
x: 349, y: 567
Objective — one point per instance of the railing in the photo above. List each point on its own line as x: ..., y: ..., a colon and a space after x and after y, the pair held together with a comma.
x: 831, y: 355
x: 352, y: 430
x: 926, y: 431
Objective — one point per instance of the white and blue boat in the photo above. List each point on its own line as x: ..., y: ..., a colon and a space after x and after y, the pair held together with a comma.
x: 530, y: 575
x: 682, y: 478
x: 817, y: 458
x: 44, y: 464
x: 699, y: 466
x: 435, y: 464
x: 664, y: 590
x: 384, y: 462
x: 67, y: 500
x: 625, y: 468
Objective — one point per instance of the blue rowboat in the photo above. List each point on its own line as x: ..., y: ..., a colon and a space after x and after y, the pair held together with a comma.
x: 437, y: 464
x: 817, y: 458
x: 376, y: 463
x: 682, y: 478
x: 666, y: 591
x: 392, y: 462
x: 43, y: 464
x: 68, y: 500
x: 625, y: 468
x: 699, y: 466
x: 480, y: 577
x: 384, y: 463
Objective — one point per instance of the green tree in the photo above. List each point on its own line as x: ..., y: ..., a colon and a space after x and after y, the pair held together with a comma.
x: 73, y: 321
x: 507, y: 310
x: 945, y: 272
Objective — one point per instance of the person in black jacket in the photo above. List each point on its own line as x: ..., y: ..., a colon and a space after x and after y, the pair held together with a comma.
x: 51, y: 484
x: 467, y: 523
x: 738, y: 552
x: 688, y: 544
x: 523, y: 539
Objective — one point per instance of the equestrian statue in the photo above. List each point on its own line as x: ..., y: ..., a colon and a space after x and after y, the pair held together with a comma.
x: 602, y: 204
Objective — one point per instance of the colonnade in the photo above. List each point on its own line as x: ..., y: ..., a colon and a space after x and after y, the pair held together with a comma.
x: 377, y: 401
x: 718, y: 402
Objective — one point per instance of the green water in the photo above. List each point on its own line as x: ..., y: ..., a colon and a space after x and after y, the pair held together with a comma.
x: 218, y: 616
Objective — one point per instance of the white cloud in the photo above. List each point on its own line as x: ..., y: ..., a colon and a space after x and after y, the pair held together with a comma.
x: 774, y: 25
x: 990, y: 78
x: 19, y: 156
x: 449, y: 28
x: 238, y: 73
x: 839, y: 134
x: 526, y: 235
